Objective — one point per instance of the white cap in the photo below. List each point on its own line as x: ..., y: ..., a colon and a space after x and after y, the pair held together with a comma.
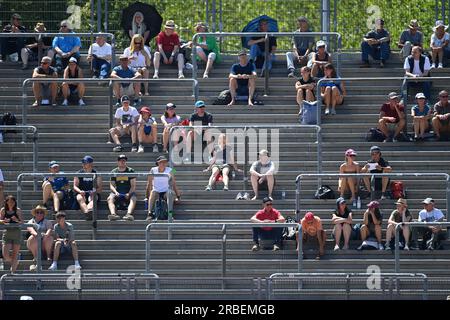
x: 320, y: 43
x: 420, y: 95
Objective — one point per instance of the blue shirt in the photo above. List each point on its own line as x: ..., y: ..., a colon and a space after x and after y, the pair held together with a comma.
x: 66, y: 44
x: 58, y: 183
x: 377, y: 34
x: 128, y: 73
x: 425, y: 111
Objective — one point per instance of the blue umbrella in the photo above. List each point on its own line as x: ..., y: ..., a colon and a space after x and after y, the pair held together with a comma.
x: 253, y: 26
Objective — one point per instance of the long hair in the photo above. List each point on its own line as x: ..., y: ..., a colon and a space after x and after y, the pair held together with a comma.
x: 331, y: 67
x: 5, y: 204
x: 140, y: 38
x: 166, y: 114
x: 134, y: 25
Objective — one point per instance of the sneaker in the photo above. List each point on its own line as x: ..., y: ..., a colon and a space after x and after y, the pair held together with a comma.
x: 81, y: 103
x: 141, y: 149
x: 354, y: 203
x: 128, y: 217
x: 149, y: 218
x: 155, y: 148
x: 327, y: 111
x: 208, y: 188
x: 54, y: 104
x: 246, y: 196
x: 433, y: 65
x: 387, y: 140
x: 155, y: 76
x: 113, y: 217
x: 291, y: 74
x: 205, y: 76
x: 239, y: 196
x: 336, y: 248
x: 406, y: 247
x: 225, y: 188
x: 255, y: 247
x: 188, y: 66
x: 380, y: 246
x: 77, y: 265
x: 180, y: 76
x: 118, y: 148
x: 387, y: 247
x: 383, y: 196
x: 360, y: 247
x: 440, y: 66
x: 35, y: 104
x: 65, y: 103
x: 276, y: 247
x: 134, y: 148
x: 33, y: 267
x: 53, y: 267
x: 394, y: 139
x: 333, y: 111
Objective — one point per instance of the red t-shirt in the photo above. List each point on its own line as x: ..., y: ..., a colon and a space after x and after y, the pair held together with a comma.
x: 388, y: 112
x: 168, y: 42
x: 273, y: 214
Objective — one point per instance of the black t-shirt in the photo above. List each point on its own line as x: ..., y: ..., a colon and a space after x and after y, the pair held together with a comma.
x: 237, y: 68
x: 261, y: 45
x: 49, y: 71
x: 86, y: 183
x: 310, y: 80
x: 378, y: 215
x: 206, y: 119
x: 383, y: 163
x: 345, y: 214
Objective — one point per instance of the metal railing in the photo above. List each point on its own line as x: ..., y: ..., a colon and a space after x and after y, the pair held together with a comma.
x: 345, y: 283
x: 266, y: 49
x: 21, y: 177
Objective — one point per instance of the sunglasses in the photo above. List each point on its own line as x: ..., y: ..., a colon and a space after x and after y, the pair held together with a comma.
x: 63, y: 26
x: 373, y: 153
x: 40, y: 212
x: 352, y: 155
x: 443, y: 96
x: 268, y: 204
x: 138, y: 43
x: 44, y: 62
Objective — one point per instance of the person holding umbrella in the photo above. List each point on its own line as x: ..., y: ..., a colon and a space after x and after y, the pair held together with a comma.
x: 141, y: 19
x: 257, y: 46
x: 138, y: 27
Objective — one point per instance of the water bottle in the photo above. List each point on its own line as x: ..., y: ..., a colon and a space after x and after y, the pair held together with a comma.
x: 233, y: 174
x: 283, y: 194
x: 146, y: 204
x: 358, y: 204
x: 170, y: 216
x: 2, y: 267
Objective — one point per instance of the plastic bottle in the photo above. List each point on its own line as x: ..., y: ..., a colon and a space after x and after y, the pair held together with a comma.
x: 358, y: 204
x: 233, y: 174
x: 146, y: 204
x: 170, y: 216
x: 283, y: 194
x: 2, y: 267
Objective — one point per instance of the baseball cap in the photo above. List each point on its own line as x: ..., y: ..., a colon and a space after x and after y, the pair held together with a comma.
x: 340, y: 200
x: 73, y: 59
x: 373, y: 204
x: 123, y: 57
x: 200, y: 104
x: 428, y: 201
x: 60, y: 214
x: 420, y: 95
x: 267, y: 199
x: 309, y: 216
x: 170, y: 105
x: 243, y: 52
x: 161, y: 158
x: 402, y: 202
x: 350, y: 152
x: 87, y: 159
x: 264, y: 152
x: 375, y: 148
x: 122, y: 156
x: 145, y: 109
x: 320, y: 43
x: 53, y: 164
x: 124, y: 98
x: 393, y: 95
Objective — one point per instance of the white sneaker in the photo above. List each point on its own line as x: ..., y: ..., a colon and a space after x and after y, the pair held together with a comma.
x: 81, y: 102
x: 77, y: 265
x: 155, y: 76
x: 205, y: 76
x: 65, y: 102
x: 180, y: 76
x: 141, y: 149
x: 406, y: 248
x: 188, y: 66
x: 53, y: 267
x: 380, y: 246
x: 336, y: 248
x: 327, y: 111
x: 440, y: 66
x: 433, y: 65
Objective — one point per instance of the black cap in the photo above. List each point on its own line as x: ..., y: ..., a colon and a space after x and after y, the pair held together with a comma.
x: 60, y: 214
x: 125, y: 98
x: 375, y: 148
x: 170, y: 105
x: 122, y: 156
x: 267, y: 199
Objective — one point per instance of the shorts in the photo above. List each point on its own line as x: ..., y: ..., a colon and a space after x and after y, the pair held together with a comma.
x: 121, y: 202
x: 12, y: 236
x: 168, y: 55
x: 66, y: 249
x: 73, y: 88
x: 46, y: 91
x: 86, y: 198
x: 221, y: 166
x: 147, y: 130
x: 126, y: 89
x: 123, y: 131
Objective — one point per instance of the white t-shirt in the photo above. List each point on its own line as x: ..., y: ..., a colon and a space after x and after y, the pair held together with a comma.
x: 126, y: 117
x: 1, y: 176
x: 139, y: 59
x: 435, y: 42
x: 432, y: 216
x: 416, y: 69
x: 160, y: 184
x: 101, y: 51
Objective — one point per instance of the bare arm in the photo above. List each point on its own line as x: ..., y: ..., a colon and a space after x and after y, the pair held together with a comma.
x: 149, y: 187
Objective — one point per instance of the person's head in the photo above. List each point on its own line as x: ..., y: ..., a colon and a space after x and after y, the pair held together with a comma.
x: 87, y: 162
x: 138, y: 17
x: 65, y: 26
x: 401, y: 204
x: 100, y: 40
x: 200, y: 107
x: 201, y: 27
x: 428, y: 204
x: 416, y: 51
x: 60, y: 217
x: 10, y: 203
x: 321, y: 46
x: 242, y: 55
x: 264, y: 155
x: 170, y: 110
x: 125, y: 101
x: 373, y: 206
x: 439, y: 27
x: 350, y: 155
x: 330, y: 71
x: 413, y: 26
x: 122, y: 161
x: 45, y: 62
x: 443, y: 97
x: 267, y: 203
x: 73, y: 63
x: 393, y: 99
x: 39, y: 212
x: 379, y: 24
x: 341, y: 204
x: 124, y: 61
x: 16, y: 19
x: 302, y: 23
x: 375, y: 153
x: 40, y: 27
x: 162, y: 162
x: 305, y: 71
x: 309, y: 217
x: 145, y: 112
x: 169, y: 27
x: 263, y: 25
x: 53, y: 166
x: 222, y: 139
x: 420, y: 99
x: 137, y: 43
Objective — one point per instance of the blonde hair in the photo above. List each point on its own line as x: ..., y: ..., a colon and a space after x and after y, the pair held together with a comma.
x: 142, y: 50
x: 134, y: 25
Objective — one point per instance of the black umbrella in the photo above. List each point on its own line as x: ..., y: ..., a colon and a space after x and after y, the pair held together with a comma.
x: 152, y: 18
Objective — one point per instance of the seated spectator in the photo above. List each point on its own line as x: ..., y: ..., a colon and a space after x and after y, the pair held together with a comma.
x: 431, y: 235
x: 351, y: 183
x: 257, y: 47
x: 45, y: 229
x: 242, y: 79
x: 43, y: 44
x: 199, y: 118
x: 342, y: 220
x: 305, y: 87
x: 312, y: 229
x: 123, y: 191
x: 392, y: 117
x: 319, y: 59
x: 160, y: 186
x: 441, y: 116
x: 140, y: 58
x: 87, y: 193
x: 267, y: 215
x: 69, y: 88
x: 138, y: 27
x: 100, y: 55
x: 262, y: 174
x: 301, y: 47
x: 221, y: 163
x: 44, y: 90
x: 126, y: 124
x: 376, y: 43
x: 409, y: 38
x: 123, y: 71
x: 439, y: 44
x: 332, y: 92
x: 376, y: 164
x: 399, y: 216
x: 147, y: 129
x: 418, y: 65
x: 2, y: 179
x: 421, y: 114
x: 12, y: 46
x: 64, y: 242
x: 55, y: 187
x: 170, y: 119
x: 168, y: 49
x: 65, y: 47
x: 371, y: 226
x: 10, y: 215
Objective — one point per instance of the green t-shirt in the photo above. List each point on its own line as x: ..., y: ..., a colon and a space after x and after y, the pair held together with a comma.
x: 65, y: 232
x: 123, y: 184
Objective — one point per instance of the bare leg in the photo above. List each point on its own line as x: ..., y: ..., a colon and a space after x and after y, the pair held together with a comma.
x: 65, y: 90
x: 57, y: 250
x: 383, y: 127
x: 385, y: 180
x: 47, y: 192
x: 364, y: 232
x: 347, y: 233
x: 37, y: 91
x: 111, y: 205
x: 81, y: 90
x: 226, y: 179
x: 132, y: 205
x: 251, y: 90
x: 389, y: 233
x: 270, y: 183
x: 233, y: 87
x: 254, y: 180
x: 212, y: 178
x: 337, y: 233
x: 436, y: 127
x: 156, y: 61
x: 74, y: 246
x: 180, y: 59
x: 114, y: 132
x: 47, y: 244
x: 82, y: 202
x: 32, y: 246
x: 309, y: 95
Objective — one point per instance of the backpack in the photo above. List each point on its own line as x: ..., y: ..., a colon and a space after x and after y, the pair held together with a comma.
x: 9, y: 119
x: 397, y: 190
x: 375, y: 135
x: 224, y: 98
x: 309, y: 114
x: 289, y: 232
x: 324, y: 192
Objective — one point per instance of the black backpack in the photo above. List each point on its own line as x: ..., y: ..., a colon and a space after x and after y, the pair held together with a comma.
x: 224, y: 98
x: 324, y: 192
x: 8, y: 119
x: 289, y: 232
x: 375, y: 135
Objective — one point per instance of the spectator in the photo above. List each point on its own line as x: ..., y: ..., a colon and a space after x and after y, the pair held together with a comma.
x: 160, y: 186
x: 332, y: 92
x: 376, y: 43
x: 319, y: 59
x: 349, y: 166
x: 312, y: 229
x: 126, y: 124
x: 439, y: 44
x: 45, y: 229
x: 87, y: 193
x: 242, y: 79
x: 65, y: 47
x: 123, y: 191
x: 138, y: 27
x: 69, y: 88
x: 221, y: 162
x: 168, y: 45
x: 198, y: 118
x: 376, y: 164
x: 441, y: 116
x: 392, y: 117
x: 2, y: 179
x: 257, y: 47
x: 305, y: 87
x: 431, y: 235
x: 301, y: 47
x: 148, y: 129
x: 267, y: 215
x: 418, y: 65
x: 409, y: 38
x: 64, y: 242
x: 421, y: 114
x: 123, y: 71
x: 342, y: 220
x: 12, y: 46
x: 44, y: 90
x: 140, y: 58
x: 55, y: 187
x: 40, y: 43
x: 262, y: 173
x: 371, y: 226
x: 170, y: 119
x: 100, y: 55
x: 399, y: 216
x: 10, y: 215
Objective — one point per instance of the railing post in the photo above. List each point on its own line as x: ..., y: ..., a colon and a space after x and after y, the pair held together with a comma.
x: 170, y: 200
x: 297, y: 198
x: 94, y: 208
x: 224, y: 254
x: 269, y: 288
x: 35, y: 156
x: 300, y: 249
x: 319, y: 102
x: 147, y: 248
x: 194, y: 56
x: 39, y: 249
x: 245, y: 178
x: 266, y: 64
x: 347, y: 286
x: 24, y: 109
x: 19, y: 190
x: 110, y: 102
x: 397, y: 252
